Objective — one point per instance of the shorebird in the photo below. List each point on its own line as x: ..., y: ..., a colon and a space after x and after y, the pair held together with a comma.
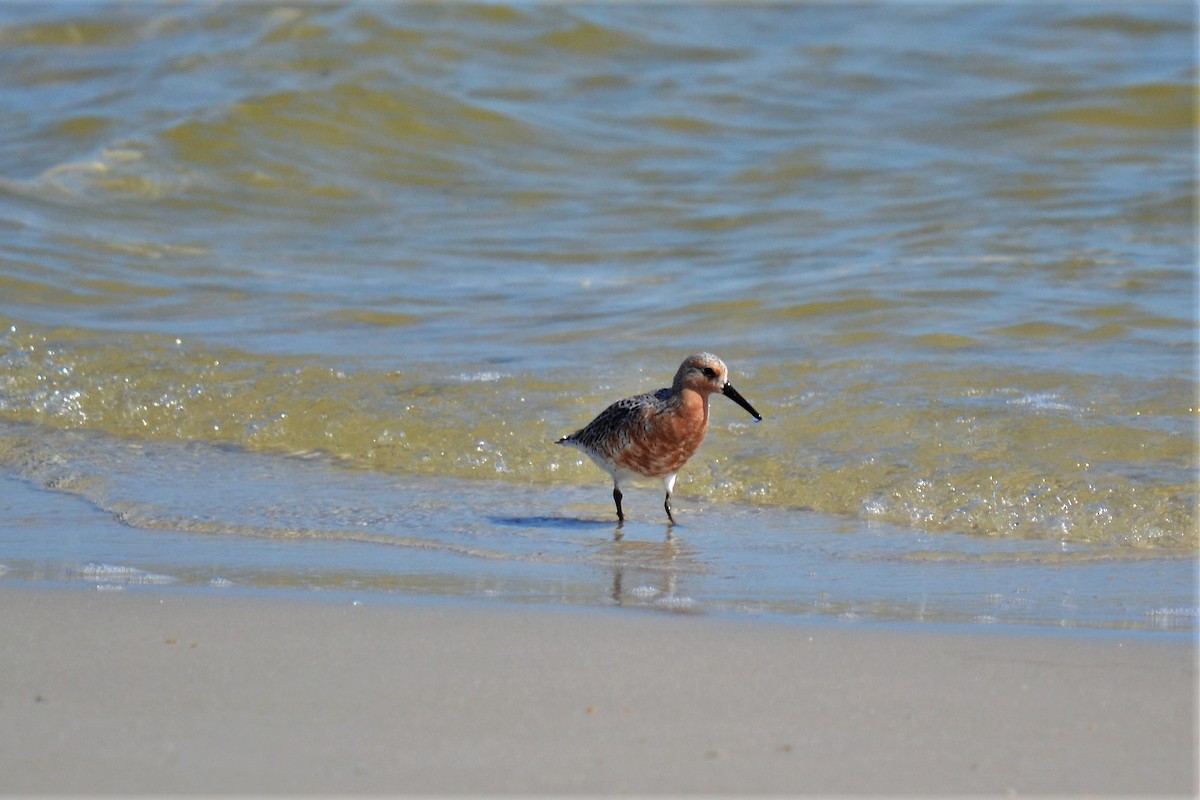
x: 653, y: 435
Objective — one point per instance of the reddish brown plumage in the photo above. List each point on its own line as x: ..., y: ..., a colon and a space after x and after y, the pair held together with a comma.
x: 653, y: 435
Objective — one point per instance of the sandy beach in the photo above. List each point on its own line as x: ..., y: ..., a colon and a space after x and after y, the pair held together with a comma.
x: 133, y: 692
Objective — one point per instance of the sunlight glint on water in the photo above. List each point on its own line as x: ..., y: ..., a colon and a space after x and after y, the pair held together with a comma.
x: 948, y: 251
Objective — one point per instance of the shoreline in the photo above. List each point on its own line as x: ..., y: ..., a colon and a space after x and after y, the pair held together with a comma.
x: 164, y: 692
x: 373, y: 537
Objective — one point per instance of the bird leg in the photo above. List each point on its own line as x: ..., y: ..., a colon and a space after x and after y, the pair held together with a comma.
x: 617, y: 499
x: 667, y: 506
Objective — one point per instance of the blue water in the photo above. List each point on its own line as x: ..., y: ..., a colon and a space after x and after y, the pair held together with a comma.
x: 298, y: 298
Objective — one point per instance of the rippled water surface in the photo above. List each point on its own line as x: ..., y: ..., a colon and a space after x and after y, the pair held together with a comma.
x: 948, y: 251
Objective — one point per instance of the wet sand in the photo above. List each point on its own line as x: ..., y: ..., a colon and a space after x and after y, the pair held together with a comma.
x: 124, y: 692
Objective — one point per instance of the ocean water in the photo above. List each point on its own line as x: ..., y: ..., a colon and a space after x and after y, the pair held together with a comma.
x: 297, y: 297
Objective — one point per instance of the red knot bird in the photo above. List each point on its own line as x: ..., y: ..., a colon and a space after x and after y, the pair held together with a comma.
x: 653, y: 435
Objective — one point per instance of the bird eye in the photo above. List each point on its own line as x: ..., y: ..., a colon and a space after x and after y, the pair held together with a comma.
x: 709, y: 372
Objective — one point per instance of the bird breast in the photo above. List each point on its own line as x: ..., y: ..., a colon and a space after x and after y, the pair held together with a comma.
x: 672, y: 436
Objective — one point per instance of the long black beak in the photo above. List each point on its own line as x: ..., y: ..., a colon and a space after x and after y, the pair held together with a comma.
x: 733, y: 395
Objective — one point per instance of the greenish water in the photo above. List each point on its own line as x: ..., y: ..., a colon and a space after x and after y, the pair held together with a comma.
x: 948, y: 251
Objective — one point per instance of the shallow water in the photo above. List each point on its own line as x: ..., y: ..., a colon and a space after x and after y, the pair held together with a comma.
x: 190, y: 517
x: 947, y: 250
